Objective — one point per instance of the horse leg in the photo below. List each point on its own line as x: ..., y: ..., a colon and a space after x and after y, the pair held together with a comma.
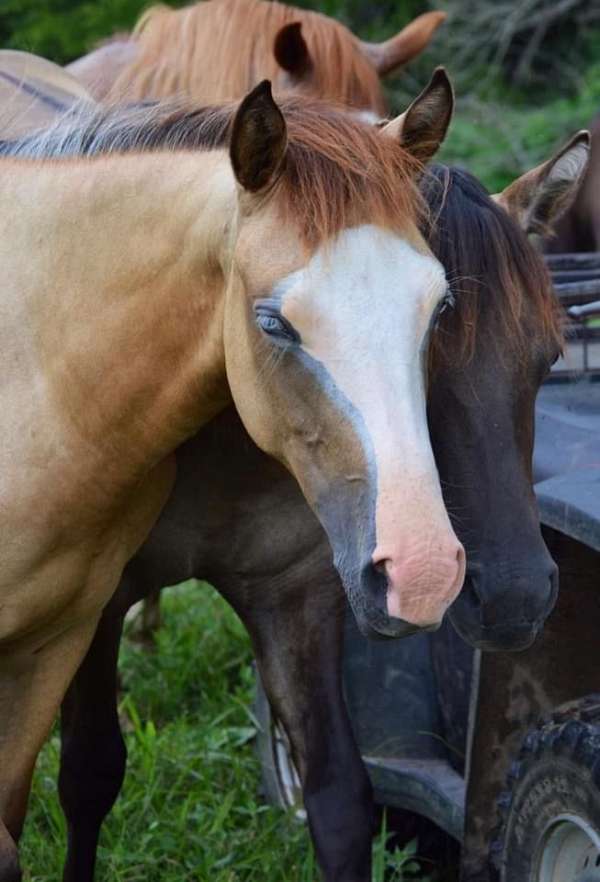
x: 9, y: 857
x: 32, y: 684
x: 298, y: 645
x: 150, y: 619
x: 93, y: 753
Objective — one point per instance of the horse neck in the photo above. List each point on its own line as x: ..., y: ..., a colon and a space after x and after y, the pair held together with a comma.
x: 121, y: 301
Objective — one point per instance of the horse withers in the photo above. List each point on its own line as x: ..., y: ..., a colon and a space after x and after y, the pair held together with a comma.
x: 147, y: 287
x: 237, y: 519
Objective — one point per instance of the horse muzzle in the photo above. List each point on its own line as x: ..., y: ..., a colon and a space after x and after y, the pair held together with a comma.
x: 504, y: 615
x: 369, y: 602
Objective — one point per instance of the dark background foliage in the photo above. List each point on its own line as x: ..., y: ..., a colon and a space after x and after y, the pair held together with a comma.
x: 526, y: 38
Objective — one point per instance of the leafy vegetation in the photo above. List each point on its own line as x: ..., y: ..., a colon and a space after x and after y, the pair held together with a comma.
x: 498, y: 139
x: 64, y: 29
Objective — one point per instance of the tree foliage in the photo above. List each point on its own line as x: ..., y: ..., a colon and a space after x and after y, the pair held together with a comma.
x: 64, y: 29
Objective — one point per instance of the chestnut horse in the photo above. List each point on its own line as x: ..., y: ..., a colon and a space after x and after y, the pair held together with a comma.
x: 147, y: 285
x: 216, y: 50
x: 248, y: 530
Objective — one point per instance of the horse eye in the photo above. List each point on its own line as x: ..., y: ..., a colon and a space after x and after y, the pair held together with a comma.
x: 447, y: 302
x: 551, y: 358
x: 273, y: 324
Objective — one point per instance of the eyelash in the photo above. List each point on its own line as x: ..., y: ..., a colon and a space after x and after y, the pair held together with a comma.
x: 447, y: 302
x: 274, y: 324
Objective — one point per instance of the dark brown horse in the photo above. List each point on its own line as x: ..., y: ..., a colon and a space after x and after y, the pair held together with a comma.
x: 237, y: 519
x: 579, y: 227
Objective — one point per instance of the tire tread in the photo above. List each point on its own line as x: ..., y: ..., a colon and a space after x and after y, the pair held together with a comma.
x: 572, y: 731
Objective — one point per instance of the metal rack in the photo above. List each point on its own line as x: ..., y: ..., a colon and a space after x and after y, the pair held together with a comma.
x: 576, y: 279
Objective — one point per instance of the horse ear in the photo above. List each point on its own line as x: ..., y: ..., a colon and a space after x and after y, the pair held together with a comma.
x: 422, y: 128
x: 402, y: 48
x: 291, y: 51
x: 538, y: 198
x: 258, y: 139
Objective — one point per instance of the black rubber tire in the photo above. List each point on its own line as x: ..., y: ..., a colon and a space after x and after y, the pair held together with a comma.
x: 557, y: 773
x: 270, y: 762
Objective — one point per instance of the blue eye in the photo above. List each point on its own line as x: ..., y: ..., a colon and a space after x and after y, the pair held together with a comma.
x: 274, y: 324
x: 271, y: 324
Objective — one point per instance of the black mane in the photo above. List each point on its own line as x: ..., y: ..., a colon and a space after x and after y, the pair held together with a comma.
x: 492, y: 268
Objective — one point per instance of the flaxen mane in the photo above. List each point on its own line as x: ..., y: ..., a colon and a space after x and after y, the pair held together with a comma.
x: 491, y: 267
x: 339, y: 171
x: 216, y: 50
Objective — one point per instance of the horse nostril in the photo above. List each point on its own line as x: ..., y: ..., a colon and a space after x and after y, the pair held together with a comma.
x: 554, y: 584
x: 381, y: 567
x: 473, y: 594
x: 461, y: 565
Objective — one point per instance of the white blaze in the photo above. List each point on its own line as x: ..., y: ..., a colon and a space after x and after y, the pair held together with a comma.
x: 363, y: 309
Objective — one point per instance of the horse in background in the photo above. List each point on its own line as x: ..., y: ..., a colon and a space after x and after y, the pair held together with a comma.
x: 34, y: 93
x: 579, y: 227
x: 217, y: 50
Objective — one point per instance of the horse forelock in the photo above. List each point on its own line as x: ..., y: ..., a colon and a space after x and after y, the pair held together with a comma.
x: 178, y: 52
x: 339, y: 172
x: 491, y: 267
x: 342, y: 172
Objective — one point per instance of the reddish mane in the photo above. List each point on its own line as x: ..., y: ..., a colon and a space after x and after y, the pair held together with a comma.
x: 217, y: 50
x: 339, y: 171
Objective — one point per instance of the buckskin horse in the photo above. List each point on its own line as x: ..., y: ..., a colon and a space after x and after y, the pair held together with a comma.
x: 146, y: 286
x: 217, y: 50
x: 237, y: 518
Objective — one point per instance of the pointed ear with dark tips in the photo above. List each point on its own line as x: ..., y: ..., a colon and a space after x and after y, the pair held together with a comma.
x: 538, y: 198
x: 422, y: 128
x: 291, y: 51
x: 258, y: 140
x: 410, y: 42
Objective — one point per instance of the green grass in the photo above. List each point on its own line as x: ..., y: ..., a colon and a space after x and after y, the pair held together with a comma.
x: 190, y: 808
